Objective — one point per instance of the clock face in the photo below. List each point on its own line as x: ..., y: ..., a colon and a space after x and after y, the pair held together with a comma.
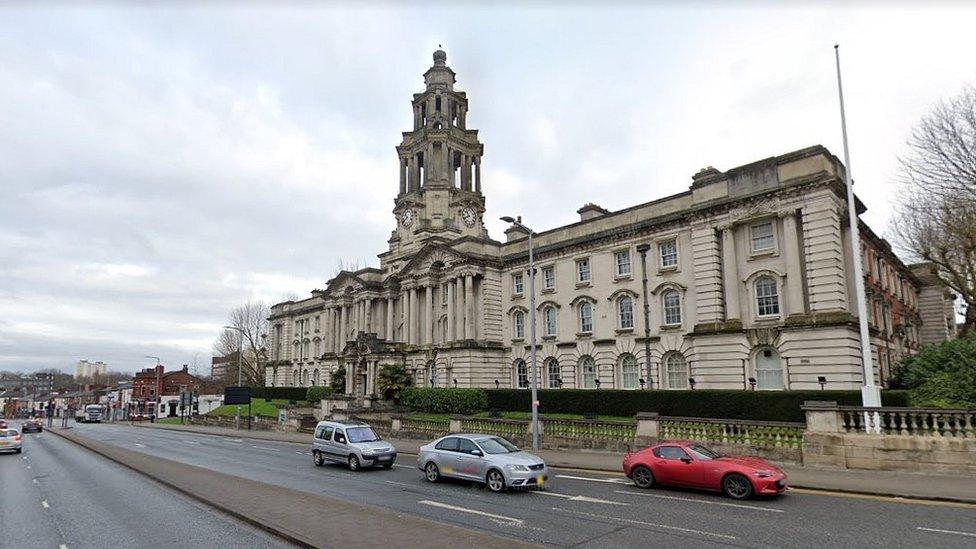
x: 407, y: 217
x: 469, y: 216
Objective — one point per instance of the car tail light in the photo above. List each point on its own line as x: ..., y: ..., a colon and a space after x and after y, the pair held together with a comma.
x: 17, y: 438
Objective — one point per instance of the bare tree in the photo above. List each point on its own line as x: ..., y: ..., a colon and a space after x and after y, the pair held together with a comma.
x: 935, y: 219
x: 249, y: 328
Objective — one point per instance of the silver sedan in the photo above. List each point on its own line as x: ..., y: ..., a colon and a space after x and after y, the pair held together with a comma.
x: 488, y: 459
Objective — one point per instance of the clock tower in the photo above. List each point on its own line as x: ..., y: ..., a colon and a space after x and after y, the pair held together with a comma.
x: 440, y: 167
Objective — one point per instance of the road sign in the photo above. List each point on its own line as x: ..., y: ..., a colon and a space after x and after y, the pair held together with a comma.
x: 237, y: 395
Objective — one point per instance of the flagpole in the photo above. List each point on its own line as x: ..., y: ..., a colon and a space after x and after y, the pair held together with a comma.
x: 870, y: 394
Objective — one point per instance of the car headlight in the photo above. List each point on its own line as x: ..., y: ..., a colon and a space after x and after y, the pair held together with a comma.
x: 368, y: 451
x: 515, y: 467
x: 763, y: 474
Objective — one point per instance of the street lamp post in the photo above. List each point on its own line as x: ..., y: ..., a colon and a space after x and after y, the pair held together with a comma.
x: 642, y: 250
x: 240, y: 354
x: 158, y: 388
x: 535, y: 371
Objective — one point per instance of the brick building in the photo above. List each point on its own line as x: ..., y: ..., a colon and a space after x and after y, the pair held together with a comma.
x: 152, y: 384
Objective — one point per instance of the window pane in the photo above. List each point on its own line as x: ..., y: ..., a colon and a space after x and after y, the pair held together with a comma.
x: 523, y: 374
x: 588, y: 368
x: 517, y: 284
x: 583, y: 269
x: 669, y: 253
x: 586, y: 317
x: 762, y: 236
x: 552, y: 371
x: 672, y: 307
x: 519, y: 329
x: 628, y: 371
x: 626, y: 310
x: 677, y: 371
x: 623, y: 263
x: 769, y: 370
x: 550, y: 321
x: 767, y: 298
x: 548, y: 277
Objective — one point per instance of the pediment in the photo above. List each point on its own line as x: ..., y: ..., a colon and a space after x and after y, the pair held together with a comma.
x: 431, y: 258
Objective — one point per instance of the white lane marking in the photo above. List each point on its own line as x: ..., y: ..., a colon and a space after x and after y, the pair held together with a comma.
x: 510, y: 520
x: 189, y: 441
x: 586, y: 499
x: 399, y: 483
x: 62, y: 546
x: 300, y: 453
x: 642, y: 523
x: 35, y: 480
x: 967, y: 534
x: 265, y: 448
x: 45, y: 505
x: 404, y: 466
x: 233, y: 440
x: 140, y: 445
x: 591, y: 479
x: 693, y: 500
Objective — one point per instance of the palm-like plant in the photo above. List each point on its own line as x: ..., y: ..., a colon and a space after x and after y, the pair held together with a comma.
x: 392, y: 379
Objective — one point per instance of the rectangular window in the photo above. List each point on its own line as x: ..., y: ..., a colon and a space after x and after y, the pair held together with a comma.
x: 623, y: 262
x: 586, y: 318
x: 318, y: 322
x: 583, y: 270
x: 548, y: 278
x: 669, y: 253
x: 762, y: 237
x: 549, y: 315
x: 518, y: 284
x: 672, y: 308
x: 626, y: 309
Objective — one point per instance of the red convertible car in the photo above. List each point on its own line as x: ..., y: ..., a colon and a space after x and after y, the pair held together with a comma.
x: 692, y: 465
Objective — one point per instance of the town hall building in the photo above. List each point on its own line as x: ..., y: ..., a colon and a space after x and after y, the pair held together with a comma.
x: 749, y: 283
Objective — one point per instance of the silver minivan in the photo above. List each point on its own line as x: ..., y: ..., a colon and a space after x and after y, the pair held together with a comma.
x: 351, y: 442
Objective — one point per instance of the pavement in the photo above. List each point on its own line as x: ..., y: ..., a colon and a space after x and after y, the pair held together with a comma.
x: 57, y: 495
x: 879, y: 483
x: 578, y: 508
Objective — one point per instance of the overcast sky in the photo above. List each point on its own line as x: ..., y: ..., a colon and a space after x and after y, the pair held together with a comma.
x: 160, y: 166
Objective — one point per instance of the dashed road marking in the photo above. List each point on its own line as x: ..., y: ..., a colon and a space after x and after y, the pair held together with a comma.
x: 509, y: 520
x: 591, y: 479
x: 585, y: 499
x: 62, y: 546
x: 45, y: 505
x: 404, y: 466
x: 140, y: 445
x: 642, y: 523
x: 265, y: 448
x: 703, y: 501
x: 941, y: 531
x: 399, y: 483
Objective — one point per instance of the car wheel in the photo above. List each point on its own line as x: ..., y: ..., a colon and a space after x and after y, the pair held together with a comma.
x: 317, y: 457
x: 495, y: 481
x: 18, y: 450
x: 642, y: 476
x: 353, y: 463
x: 387, y: 465
x: 736, y: 486
x: 431, y: 472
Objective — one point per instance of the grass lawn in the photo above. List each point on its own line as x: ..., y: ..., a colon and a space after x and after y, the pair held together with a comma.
x: 259, y: 407
x: 170, y: 420
x: 523, y: 415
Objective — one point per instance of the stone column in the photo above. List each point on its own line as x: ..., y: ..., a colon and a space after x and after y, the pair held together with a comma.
x: 469, y: 307
x: 343, y: 322
x: 369, y: 315
x: 414, y: 317
x: 451, y: 328
x: 403, y: 176
x: 388, y: 335
x: 412, y: 174
x: 327, y: 333
x: 405, y: 312
x: 791, y: 254
x: 461, y: 308
x: 429, y: 321
x: 350, y: 378
x: 477, y: 174
x: 466, y: 172
x: 730, y: 274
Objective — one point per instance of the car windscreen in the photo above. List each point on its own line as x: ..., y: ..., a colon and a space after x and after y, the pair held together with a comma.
x: 497, y: 445
x: 6, y: 433
x: 361, y: 434
x: 702, y: 453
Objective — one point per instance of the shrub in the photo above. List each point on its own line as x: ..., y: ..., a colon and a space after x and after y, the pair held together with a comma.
x: 941, y: 375
x: 721, y: 404
x: 314, y: 395
x: 445, y: 401
x: 338, y: 381
x: 392, y: 380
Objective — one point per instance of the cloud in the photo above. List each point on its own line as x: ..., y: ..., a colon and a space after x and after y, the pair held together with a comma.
x: 164, y: 164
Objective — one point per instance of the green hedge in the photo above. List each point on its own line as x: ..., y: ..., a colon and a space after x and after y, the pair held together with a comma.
x: 314, y: 395
x: 445, y: 401
x: 285, y: 393
x: 755, y: 405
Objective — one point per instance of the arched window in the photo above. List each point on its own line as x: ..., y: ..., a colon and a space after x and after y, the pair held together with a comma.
x: 671, y: 304
x: 432, y: 374
x: 296, y: 378
x: 767, y: 297
x: 305, y: 350
x: 521, y: 374
x: 586, y: 317
x: 676, y: 370
x: 769, y: 369
x: 588, y: 372
x: 298, y: 350
x: 304, y: 378
x: 317, y: 343
x: 549, y: 320
x: 625, y: 312
x: 518, y: 325
x: 552, y: 373
x: 315, y: 377
x: 628, y: 371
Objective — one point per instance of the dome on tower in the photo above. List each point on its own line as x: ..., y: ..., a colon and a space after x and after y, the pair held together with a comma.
x: 440, y: 57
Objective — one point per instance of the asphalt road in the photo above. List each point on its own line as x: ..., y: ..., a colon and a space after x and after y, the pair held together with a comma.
x: 578, y: 508
x: 58, y: 495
